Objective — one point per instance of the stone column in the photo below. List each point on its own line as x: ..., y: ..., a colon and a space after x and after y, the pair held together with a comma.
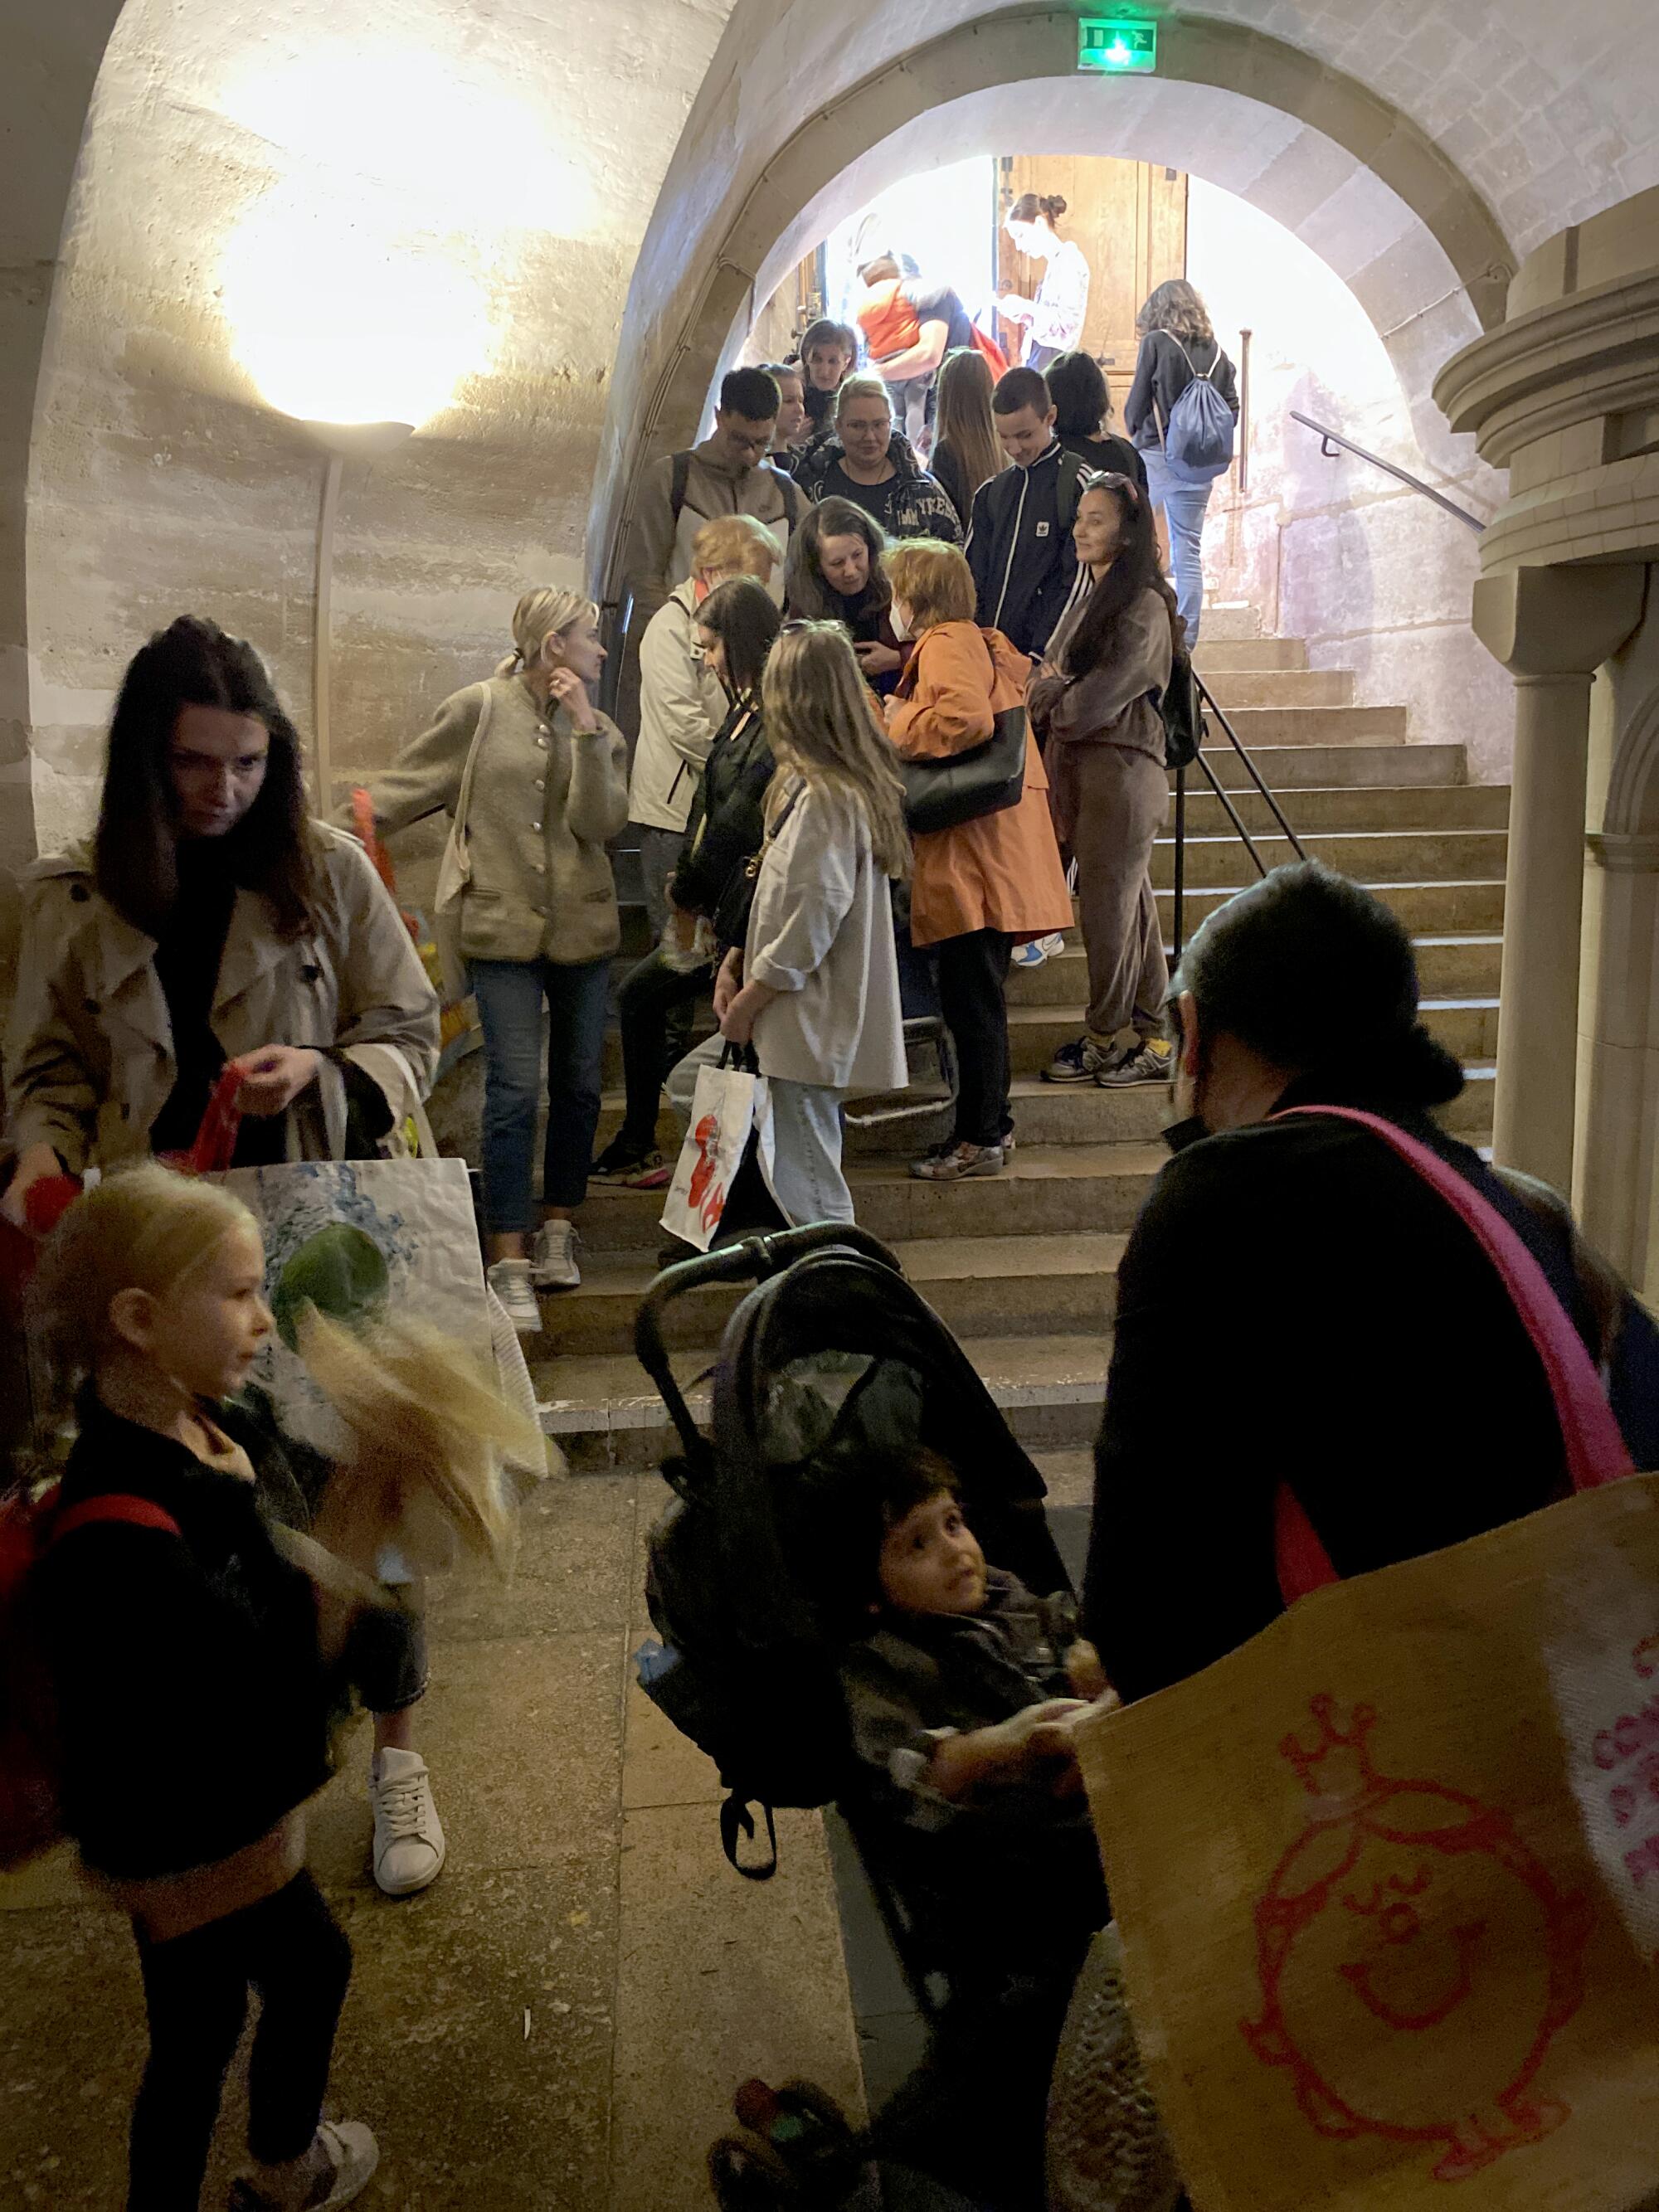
x: 1552, y: 628
x: 1618, y: 1159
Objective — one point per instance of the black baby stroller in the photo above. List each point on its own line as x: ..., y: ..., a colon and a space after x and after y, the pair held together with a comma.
x: 832, y: 1351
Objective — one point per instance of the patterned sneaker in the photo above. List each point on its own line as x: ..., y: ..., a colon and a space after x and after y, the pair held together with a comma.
x: 654, y: 1172
x: 511, y: 1282
x: 621, y: 1160
x: 1150, y: 1060
x: 957, y: 1161
x: 1082, y: 1062
x: 553, y: 1252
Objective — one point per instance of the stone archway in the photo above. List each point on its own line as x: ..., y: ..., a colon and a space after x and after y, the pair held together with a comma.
x: 1437, y: 276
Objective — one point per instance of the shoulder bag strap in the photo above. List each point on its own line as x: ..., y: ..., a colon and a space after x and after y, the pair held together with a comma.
x: 1595, y: 1449
x: 117, y: 1506
x: 464, y: 800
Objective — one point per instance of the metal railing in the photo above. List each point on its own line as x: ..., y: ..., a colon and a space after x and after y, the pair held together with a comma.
x: 1212, y: 706
x: 1333, y: 441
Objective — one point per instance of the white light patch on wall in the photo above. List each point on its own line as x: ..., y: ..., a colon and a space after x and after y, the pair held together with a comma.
x: 340, y: 315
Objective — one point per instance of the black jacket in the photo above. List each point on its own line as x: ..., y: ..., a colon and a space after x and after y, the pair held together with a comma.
x: 1115, y: 454
x: 1020, y: 549
x: 910, y: 504
x: 724, y: 826
x: 193, y: 1706
x: 1161, y: 374
x: 1296, y: 1304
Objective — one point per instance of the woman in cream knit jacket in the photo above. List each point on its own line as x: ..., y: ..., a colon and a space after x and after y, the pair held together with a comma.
x: 538, y: 917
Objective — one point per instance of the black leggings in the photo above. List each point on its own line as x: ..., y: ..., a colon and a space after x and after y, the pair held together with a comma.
x: 294, y: 1953
x: 973, y: 971
x: 655, y: 1009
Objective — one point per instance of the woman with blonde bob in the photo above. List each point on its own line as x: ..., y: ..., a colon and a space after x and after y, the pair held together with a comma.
x: 815, y: 986
x: 536, y: 781
x: 988, y: 884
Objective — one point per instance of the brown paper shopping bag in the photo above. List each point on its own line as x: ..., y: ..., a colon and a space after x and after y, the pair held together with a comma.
x: 1388, y: 1877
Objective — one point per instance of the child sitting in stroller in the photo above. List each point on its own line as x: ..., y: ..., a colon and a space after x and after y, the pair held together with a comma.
x: 961, y: 1696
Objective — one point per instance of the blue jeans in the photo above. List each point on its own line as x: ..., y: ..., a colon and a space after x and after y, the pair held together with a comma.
x: 509, y: 994
x: 1183, y: 505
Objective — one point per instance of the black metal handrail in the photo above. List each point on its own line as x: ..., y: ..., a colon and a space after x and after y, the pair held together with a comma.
x: 1330, y: 441
x: 1214, y: 707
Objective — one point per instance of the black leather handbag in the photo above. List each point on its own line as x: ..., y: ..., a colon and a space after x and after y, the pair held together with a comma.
x: 941, y: 794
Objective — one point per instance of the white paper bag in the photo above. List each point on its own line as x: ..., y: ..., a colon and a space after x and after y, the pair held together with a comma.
x: 727, y: 1105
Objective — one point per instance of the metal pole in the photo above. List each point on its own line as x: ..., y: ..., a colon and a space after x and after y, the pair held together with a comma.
x: 322, y: 650
x: 1243, y: 413
x: 1180, y: 860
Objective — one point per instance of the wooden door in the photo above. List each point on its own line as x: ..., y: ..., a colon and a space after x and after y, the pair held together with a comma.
x: 1130, y: 219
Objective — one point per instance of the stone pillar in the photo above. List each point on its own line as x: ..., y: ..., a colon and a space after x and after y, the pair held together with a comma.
x: 1618, y: 1160
x: 1551, y: 629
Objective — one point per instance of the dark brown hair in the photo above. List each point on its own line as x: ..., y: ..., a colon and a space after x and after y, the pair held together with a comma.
x: 742, y: 614
x: 134, y: 861
x: 1082, y: 400
x: 1020, y: 387
x: 807, y: 595
x: 1135, y: 568
x: 1175, y: 308
x: 1030, y: 205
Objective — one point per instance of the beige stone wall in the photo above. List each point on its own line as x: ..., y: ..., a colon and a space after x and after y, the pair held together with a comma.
x: 443, y: 189
x: 1377, y: 578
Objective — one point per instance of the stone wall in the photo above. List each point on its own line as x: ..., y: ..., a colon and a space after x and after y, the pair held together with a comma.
x: 1376, y: 578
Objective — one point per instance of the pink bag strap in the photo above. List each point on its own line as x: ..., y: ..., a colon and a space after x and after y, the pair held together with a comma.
x: 1595, y: 1449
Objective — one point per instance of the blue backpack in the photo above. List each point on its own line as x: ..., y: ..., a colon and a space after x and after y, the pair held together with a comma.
x: 1198, y: 438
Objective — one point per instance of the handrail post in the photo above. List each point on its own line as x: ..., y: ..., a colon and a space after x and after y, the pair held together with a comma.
x: 1243, y: 413
x: 1179, y: 863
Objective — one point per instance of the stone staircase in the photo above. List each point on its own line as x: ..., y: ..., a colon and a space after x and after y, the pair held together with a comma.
x: 1023, y: 1268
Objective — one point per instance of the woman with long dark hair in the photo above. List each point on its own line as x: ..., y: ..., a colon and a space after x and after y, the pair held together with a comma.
x: 211, y: 921
x: 1082, y: 408
x: 1176, y: 344
x: 1096, y: 701
x: 738, y: 625
x: 834, y: 574
x: 966, y: 453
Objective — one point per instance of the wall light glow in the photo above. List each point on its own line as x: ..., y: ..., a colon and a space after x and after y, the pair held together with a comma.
x: 340, y: 315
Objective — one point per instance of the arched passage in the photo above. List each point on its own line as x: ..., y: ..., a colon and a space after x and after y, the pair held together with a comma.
x: 1420, y: 245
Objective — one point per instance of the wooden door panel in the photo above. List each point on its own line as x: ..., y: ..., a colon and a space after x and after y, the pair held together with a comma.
x: 1129, y: 218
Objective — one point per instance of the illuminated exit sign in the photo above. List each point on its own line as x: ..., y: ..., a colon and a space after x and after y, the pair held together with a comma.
x: 1111, y: 47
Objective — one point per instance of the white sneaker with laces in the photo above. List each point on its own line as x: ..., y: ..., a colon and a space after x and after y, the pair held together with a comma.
x: 514, y: 1285
x: 553, y: 1251
x: 409, y: 1837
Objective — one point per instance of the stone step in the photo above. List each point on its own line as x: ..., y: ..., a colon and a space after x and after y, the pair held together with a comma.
x: 1424, y: 907
x: 1228, y: 621
x: 1451, y: 965
x: 1218, y: 656
x: 1466, y: 1026
x: 1239, y: 689
x: 606, y: 1415
x: 1369, y: 856
x: 1374, y: 806
x: 1010, y: 1286
x: 1046, y: 1190
x: 1302, y: 767
x: 1317, y: 725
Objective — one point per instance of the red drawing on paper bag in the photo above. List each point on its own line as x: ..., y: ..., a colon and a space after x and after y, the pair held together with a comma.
x: 707, y: 1195
x: 1416, y: 1909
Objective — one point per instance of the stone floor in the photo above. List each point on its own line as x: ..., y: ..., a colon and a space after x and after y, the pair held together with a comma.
x: 560, y: 2022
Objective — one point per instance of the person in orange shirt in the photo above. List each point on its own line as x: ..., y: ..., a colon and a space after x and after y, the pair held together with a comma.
x: 979, y: 887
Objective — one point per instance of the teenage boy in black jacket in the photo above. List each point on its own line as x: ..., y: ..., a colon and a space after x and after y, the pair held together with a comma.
x: 1020, y: 539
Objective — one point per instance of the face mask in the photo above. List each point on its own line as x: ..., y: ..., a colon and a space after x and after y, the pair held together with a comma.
x: 900, y: 621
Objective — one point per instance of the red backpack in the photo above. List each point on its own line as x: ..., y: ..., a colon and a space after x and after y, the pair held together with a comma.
x: 29, y: 1528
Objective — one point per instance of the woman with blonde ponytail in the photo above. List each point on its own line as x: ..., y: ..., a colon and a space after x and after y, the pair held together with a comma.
x: 536, y: 781
x: 814, y: 987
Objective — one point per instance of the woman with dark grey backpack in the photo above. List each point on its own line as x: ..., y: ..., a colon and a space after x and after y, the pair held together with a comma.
x: 1177, y: 345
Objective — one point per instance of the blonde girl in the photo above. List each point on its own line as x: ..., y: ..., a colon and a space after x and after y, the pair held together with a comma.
x: 538, y: 917
x: 815, y: 986
x: 168, y: 1636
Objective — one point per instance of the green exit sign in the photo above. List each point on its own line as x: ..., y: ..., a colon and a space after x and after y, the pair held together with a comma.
x: 1112, y: 47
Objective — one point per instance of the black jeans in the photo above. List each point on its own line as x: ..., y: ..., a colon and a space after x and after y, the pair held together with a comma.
x: 650, y: 993
x: 291, y: 1949
x: 972, y: 973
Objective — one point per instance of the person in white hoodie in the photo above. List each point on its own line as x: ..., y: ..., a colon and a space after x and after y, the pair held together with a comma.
x: 814, y: 987
x: 682, y: 703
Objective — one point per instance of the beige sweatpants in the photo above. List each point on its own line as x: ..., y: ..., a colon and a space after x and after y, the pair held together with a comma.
x: 1108, y: 803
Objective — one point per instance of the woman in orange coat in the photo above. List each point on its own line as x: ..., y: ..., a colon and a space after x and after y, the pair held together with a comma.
x: 981, y: 887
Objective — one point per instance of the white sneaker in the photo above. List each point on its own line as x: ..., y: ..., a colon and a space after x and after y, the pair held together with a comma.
x: 337, y: 2169
x: 409, y: 1837
x: 553, y: 1252
x: 514, y: 1285
x: 1037, y: 949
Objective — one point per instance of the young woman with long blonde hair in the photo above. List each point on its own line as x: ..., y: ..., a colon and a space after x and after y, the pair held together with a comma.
x: 815, y: 986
